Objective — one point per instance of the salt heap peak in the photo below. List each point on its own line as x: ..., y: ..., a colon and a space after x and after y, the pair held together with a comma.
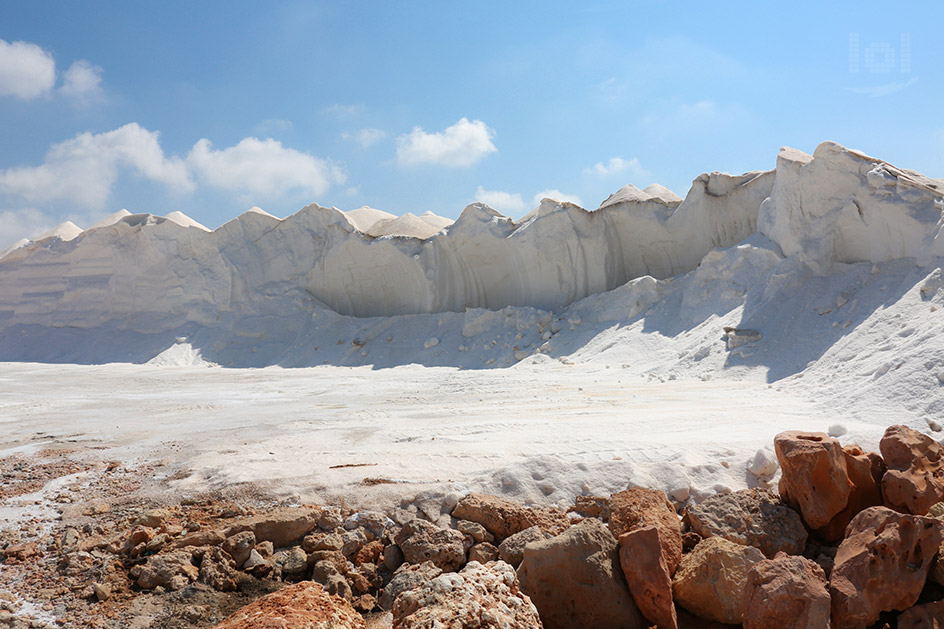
x: 111, y: 219
x: 185, y: 221
x: 65, y: 231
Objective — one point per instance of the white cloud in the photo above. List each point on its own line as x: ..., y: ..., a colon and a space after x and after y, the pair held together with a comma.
x: 463, y: 144
x: 82, y: 80
x: 617, y: 165
x: 83, y: 170
x: 340, y: 110
x: 554, y: 193
x: 263, y: 167
x: 366, y: 137
x: 26, y: 70
x: 501, y: 201
x: 22, y: 223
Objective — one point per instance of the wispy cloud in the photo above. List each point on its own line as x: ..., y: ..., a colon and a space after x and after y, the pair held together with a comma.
x: 463, y: 144
x: 616, y: 166
x: 26, y: 70
x: 506, y: 202
x: 557, y: 195
x: 878, y: 91
x: 365, y: 137
x: 82, y: 81
x: 343, y: 111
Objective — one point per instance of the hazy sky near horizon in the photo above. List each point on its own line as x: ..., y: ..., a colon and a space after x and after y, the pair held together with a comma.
x: 213, y: 107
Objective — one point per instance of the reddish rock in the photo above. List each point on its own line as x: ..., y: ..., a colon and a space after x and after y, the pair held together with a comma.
x: 865, y: 471
x: 173, y: 570
x: 304, y: 605
x: 483, y: 553
x: 636, y: 508
x: 217, y: 569
x: 21, y: 552
x: 280, y: 527
x: 881, y: 565
x: 512, y: 549
x: 787, y: 592
x: 711, y: 579
x: 915, y: 477
x: 647, y: 573
x: 239, y: 546
x: 208, y: 537
x: 814, y: 479
x: 424, y: 541
x: 574, y: 579
x: 503, y: 518
x: 751, y: 517
x: 927, y: 616
x: 591, y: 507
x: 370, y: 553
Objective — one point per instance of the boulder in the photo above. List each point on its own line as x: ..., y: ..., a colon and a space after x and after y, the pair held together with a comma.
x: 503, y: 518
x: 476, y: 531
x: 370, y: 553
x: 281, y: 527
x: 173, y: 570
x: 483, y: 553
x: 408, y: 577
x: 424, y: 541
x: 638, y: 507
x: 647, y: 573
x: 751, y: 517
x: 292, y: 561
x: 478, y: 596
x: 710, y: 580
x: 512, y: 549
x: 927, y: 616
x: 786, y: 592
x: 881, y: 565
x: 217, y: 569
x: 304, y: 605
x: 574, y: 579
x: 915, y: 477
x: 239, y: 546
x: 865, y: 471
x: 814, y: 477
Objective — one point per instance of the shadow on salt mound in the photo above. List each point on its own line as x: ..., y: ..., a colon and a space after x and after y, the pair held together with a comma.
x: 180, y: 354
x: 363, y: 218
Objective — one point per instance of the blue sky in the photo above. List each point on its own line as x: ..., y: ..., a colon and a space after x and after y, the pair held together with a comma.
x: 212, y: 107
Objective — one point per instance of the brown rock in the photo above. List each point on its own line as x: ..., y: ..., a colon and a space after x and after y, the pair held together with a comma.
x: 814, y: 478
x: 638, y: 507
x: 199, y: 538
x: 486, y: 596
x: 424, y: 541
x: 512, y: 549
x: 786, y: 592
x: 21, y: 552
x: 752, y: 517
x: 408, y: 577
x: 574, y: 580
x: 281, y: 527
x: 476, y: 531
x: 304, y: 605
x: 710, y: 580
x: 164, y: 570
x: 865, y: 470
x: 647, y: 573
x: 503, y: 518
x: 591, y: 507
x: 218, y: 571
x: 927, y: 616
x: 369, y: 553
x: 915, y: 477
x: 881, y: 565
x: 483, y: 553
x: 239, y: 546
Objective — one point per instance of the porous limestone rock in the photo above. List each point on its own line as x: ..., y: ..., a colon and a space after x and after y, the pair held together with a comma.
x: 282, y: 527
x: 217, y: 569
x: 424, y: 541
x: 787, y: 592
x: 647, y: 573
x: 814, y: 478
x: 486, y: 596
x: 239, y: 546
x: 305, y: 605
x: 865, y: 471
x: 710, y: 580
x: 574, y: 579
x: 638, y: 507
x: 503, y: 518
x: 408, y: 577
x: 752, y: 517
x: 483, y: 553
x: 915, y: 477
x: 172, y: 570
x: 882, y: 564
x: 512, y: 549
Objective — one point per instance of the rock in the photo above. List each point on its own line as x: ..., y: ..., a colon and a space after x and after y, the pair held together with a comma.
x: 477, y: 596
x: 881, y: 565
x: 305, y: 605
x: 239, y: 546
x: 153, y: 518
x: 424, y: 541
x: 199, y: 538
x: 323, y: 541
x: 392, y: 557
x: 292, y: 561
x: 217, y: 570
x: 752, y: 517
x: 915, y: 477
x: 102, y: 591
x: 407, y: 578
x: 647, y: 573
x: 710, y: 580
x: 19, y: 553
x: 503, y: 518
x: 927, y: 616
x: 352, y: 541
x: 638, y: 507
x: 334, y: 556
x: 574, y: 579
x: 483, y: 553
x: 787, y: 592
x: 161, y: 570
x: 735, y: 337
x: 282, y: 527
x: 475, y: 530
x: 330, y: 519
x: 256, y: 564
x: 512, y: 549
x: 370, y: 553
x: 865, y: 471
x: 591, y: 507
x: 814, y: 477
x: 373, y: 522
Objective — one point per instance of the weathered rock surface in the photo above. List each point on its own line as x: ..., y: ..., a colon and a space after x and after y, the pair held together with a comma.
x: 814, y: 478
x: 478, y: 596
x: 710, y: 580
x: 751, y: 517
x: 408, y: 577
x: 881, y: 565
x: 172, y: 570
x: 503, y: 518
x: 647, y: 573
x: 217, y: 569
x: 574, y: 579
x: 915, y: 477
x: 927, y: 616
x: 280, y: 527
x: 483, y: 553
x: 865, y: 471
x: 304, y: 605
x: 638, y: 507
x: 239, y: 546
x: 512, y: 549
x: 424, y: 541
x: 786, y: 592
